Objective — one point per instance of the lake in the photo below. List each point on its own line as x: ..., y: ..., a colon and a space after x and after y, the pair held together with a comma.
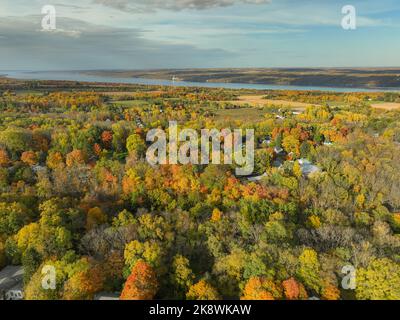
x: 81, y: 77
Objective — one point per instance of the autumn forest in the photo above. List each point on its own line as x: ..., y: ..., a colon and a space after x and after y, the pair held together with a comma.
x: 319, y: 218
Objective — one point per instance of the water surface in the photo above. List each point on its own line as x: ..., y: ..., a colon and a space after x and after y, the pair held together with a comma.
x: 82, y: 77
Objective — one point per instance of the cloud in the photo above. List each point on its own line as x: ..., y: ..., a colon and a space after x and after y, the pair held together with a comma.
x: 71, y: 6
x: 176, y: 5
x: 80, y: 45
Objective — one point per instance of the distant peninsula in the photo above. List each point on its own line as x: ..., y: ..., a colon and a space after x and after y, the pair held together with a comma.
x: 322, y: 77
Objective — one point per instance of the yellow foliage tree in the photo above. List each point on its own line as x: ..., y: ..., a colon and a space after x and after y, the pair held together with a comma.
x: 216, y: 215
x: 202, y: 291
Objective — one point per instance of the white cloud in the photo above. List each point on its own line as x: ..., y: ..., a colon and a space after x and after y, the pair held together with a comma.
x: 145, y: 5
x: 80, y: 45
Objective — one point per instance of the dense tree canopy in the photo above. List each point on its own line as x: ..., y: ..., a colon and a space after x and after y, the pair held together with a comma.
x: 77, y: 193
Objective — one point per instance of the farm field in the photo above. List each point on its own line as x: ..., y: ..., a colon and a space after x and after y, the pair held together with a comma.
x: 259, y: 100
x: 247, y: 115
x: 386, y: 106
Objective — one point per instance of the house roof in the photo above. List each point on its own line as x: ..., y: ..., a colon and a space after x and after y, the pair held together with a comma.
x: 307, y: 167
x: 11, y: 277
x: 258, y: 178
x: 107, y: 296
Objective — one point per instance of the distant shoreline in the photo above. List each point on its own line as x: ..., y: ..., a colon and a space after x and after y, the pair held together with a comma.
x: 367, y: 78
x: 257, y: 79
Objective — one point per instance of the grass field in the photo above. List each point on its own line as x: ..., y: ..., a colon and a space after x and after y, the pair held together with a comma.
x: 131, y: 103
x: 242, y: 114
x: 386, y: 106
x: 258, y: 101
x: 129, y: 93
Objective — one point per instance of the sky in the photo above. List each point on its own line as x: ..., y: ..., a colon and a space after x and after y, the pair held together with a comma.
x: 152, y: 34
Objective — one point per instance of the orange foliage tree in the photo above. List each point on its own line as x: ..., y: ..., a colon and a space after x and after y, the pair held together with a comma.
x: 261, y: 289
x: 141, y: 284
x: 75, y: 157
x: 330, y: 292
x: 4, y: 159
x: 97, y: 149
x: 54, y: 160
x: 83, y: 285
x: 107, y: 137
x: 29, y: 157
x: 294, y: 290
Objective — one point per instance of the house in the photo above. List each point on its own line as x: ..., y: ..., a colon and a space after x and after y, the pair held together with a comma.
x: 266, y: 141
x: 279, y: 150
x: 258, y: 178
x: 38, y: 168
x: 278, y: 163
x: 107, y: 296
x: 11, y: 283
x: 307, y: 168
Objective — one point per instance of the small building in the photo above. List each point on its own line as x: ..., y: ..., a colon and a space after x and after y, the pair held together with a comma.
x: 279, y: 150
x: 107, y: 296
x: 11, y: 283
x: 307, y: 168
x: 38, y: 168
x: 266, y: 141
x: 257, y: 178
x: 278, y: 163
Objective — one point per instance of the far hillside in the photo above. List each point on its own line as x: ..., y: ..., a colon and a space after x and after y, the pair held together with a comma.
x: 323, y: 77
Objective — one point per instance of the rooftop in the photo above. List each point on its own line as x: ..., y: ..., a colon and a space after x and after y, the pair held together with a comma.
x: 11, y: 277
x: 107, y: 296
x: 307, y: 167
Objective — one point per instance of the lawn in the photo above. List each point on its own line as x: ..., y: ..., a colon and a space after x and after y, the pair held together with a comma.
x: 242, y: 114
